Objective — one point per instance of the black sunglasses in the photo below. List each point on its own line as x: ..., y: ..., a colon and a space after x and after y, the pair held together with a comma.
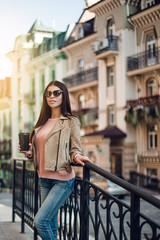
x: 55, y: 93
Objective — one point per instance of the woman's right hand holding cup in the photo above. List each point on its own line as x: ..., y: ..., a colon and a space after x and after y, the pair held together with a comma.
x: 27, y: 153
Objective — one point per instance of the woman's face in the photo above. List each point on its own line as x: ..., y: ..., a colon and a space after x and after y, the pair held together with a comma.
x: 54, y: 97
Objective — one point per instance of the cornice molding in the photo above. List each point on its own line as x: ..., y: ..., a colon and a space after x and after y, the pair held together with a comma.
x: 45, y: 59
x: 104, y: 7
x: 79, y: 45
x: 147, y: 17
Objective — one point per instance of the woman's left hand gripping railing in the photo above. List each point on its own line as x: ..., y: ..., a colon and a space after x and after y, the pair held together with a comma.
x: 25, y: 193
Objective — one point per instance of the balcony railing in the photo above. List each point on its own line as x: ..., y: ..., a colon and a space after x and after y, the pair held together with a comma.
x: 106, y: 44
x: 144, y: 59
x: 28, y: 98
x: 143, y: 109
x: 82, y: 77
x: 90, y: 212
x: 88, y: 116
x: 5, y: 149
x: 144, y: 181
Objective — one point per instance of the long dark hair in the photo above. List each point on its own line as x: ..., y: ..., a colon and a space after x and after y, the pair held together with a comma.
x: 45, y: 113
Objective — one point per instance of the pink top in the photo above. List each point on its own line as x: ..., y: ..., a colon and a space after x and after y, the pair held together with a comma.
x: 40, y: 139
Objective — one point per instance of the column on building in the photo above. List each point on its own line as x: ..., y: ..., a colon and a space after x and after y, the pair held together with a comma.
x: 38, y: 107
x: 102, y: 75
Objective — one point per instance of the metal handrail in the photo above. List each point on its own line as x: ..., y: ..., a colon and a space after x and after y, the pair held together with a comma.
x: 125, y: 184
x: 77, y: 208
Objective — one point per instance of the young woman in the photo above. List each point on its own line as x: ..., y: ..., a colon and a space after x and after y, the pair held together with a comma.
x: 55, y: 143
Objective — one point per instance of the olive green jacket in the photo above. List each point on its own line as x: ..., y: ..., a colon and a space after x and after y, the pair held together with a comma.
x: 61, y: 145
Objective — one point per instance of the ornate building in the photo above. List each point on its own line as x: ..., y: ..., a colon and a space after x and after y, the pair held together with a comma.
x: 5, y: 132
x: 36, y: 61
x: 110, y: 62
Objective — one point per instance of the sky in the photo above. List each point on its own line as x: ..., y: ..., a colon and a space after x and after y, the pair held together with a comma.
x: 17, y: 17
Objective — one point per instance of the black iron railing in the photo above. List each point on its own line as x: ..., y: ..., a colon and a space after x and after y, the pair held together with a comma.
x: 5, y: 149
x: 90, y: 212
x: 82, y: 77
x: 144, y: 59
x: 112, y: 45
x: 144, y: 181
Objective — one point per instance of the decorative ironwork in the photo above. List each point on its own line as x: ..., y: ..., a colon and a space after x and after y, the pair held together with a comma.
x: 143, y: 109
x: 112, y: 45
x: 144, y: 59
x: 144, y: 181
x: 5, y: 149
x: 88, y: 116
x: 82, y: 77
x: 89, y: 211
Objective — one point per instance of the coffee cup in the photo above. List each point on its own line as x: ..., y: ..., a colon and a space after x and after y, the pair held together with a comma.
x: 24, y: 141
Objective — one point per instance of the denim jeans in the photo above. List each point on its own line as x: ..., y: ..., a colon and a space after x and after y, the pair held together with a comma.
x: 53, y: 194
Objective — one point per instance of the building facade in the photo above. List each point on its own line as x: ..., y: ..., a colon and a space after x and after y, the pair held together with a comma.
x: 127, y: 50
x: 36, y: 61
x: 5, y: 132
x: 109, y: 61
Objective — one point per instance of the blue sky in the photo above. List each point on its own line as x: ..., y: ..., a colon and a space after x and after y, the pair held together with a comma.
x: 17, y: 17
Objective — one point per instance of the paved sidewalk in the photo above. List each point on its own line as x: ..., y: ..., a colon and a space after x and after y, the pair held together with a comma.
x: 8, y: 229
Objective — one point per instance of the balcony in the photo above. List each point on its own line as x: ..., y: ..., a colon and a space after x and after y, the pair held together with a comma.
x: 147, y: 159
x: 29, y: 98
x: 88, y: 117
x: 82, y: 77
x: 143, y: 110
x: 107, y: 44
x: 5, y: 149
x: 143, y: 60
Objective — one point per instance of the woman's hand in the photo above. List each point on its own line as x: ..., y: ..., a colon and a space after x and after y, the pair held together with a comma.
x: 27, y: 153
x: 80, y: 159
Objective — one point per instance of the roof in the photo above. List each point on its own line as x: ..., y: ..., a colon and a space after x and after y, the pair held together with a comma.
x: 109, y: 132
x: 38, y: 26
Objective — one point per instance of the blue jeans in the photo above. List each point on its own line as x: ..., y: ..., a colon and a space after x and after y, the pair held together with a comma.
x: 53, y: 194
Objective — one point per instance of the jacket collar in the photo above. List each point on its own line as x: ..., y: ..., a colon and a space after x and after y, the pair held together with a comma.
x: 59, y: 125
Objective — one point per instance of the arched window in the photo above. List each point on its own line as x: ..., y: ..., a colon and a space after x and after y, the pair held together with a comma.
x: 111, y: 28
x: 150, y: 47
x: 82, y: 101
x: 152, y: 87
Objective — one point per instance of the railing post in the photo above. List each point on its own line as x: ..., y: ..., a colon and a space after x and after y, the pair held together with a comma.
x: 13, y: 189
x: 23, y: 194
x: 135, y: 222
x: 35, y: 199
x: 84, y: 216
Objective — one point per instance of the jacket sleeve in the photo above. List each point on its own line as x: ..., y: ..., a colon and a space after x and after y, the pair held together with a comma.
x: 75, y: 139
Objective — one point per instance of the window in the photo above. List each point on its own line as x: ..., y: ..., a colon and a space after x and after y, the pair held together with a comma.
x: 151, y: 172
x: 111, y: 27
x: 110, y: 76
x: 150, y: 46
x: 111, y: 115
x: 80, y: 33
x: 152, y: 136
x: 152, y: 87
x: 42, y: 86
x: 53, y: 75
x: 55, y: 43
x: 80, y: 65
x: 150, y: 3
x: 82, y: 101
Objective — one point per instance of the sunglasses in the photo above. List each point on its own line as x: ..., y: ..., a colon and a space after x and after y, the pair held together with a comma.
x: 55, y: 93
